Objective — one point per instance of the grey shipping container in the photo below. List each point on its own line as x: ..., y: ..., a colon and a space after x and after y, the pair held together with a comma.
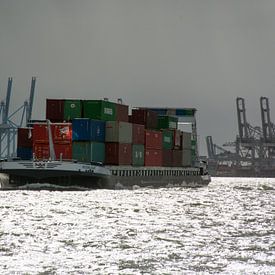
x: 118, y: 131
x: 186, y: 157
x: 186, y: 140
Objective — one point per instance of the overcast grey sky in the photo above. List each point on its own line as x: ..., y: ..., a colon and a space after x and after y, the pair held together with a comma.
x: 176, y: 53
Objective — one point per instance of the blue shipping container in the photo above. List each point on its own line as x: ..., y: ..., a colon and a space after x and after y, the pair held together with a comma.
x: 24, y: 153
x: 85, y: 129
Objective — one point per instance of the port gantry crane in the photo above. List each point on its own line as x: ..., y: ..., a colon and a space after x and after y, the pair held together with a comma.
x: 254, y: 147
x: 9, y: 122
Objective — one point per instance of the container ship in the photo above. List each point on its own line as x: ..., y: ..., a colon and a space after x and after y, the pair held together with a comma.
x: 98, y: 144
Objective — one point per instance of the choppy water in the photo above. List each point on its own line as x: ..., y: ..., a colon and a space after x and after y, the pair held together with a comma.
x: 225, y: 228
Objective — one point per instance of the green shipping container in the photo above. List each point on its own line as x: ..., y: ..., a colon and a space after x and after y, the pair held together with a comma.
x: 72, y: 109
x: 167, y: 139
x: 99, y: 109
x: 167, y: 122
x: 137, y: 155
x: 85, y: 151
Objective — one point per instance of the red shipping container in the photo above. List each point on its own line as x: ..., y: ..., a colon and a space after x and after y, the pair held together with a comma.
x: 40, y: 133
x: 177, y: 158
x: 42, y: 151
x: 153, y: 139
x: 55, y: 110
x: 118, y: 153
x: 138, y: 133
x: 167, y: 158
x: 24, y: 137
x: 122, y: 112
x: 61, y: 133
x: 145, y: 117
x: 177, y: 139
x: 64, y: 149
x: 153, y: 157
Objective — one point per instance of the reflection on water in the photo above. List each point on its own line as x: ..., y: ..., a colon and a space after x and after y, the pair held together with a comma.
x: 225, y: 228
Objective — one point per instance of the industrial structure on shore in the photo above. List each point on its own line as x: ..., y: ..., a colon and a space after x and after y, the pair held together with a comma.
x: 252, y: 154
x: 9, y: 123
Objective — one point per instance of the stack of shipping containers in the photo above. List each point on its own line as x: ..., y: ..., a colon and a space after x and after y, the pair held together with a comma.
x: 152, y: 136
x: 88, y: 140
x: 118, y: 138
x: 103, y: 131
x: 168, y: 126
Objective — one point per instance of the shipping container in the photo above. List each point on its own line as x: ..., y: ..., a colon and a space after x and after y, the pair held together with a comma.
x: 177, y: 158
x: 40, y: 133
x: 167, y: 139
x: 118, y: 153
x: 87, y: 151
x: 185, y: 112
x: 193, y: 154
x: 186, y: 157
x: 153, y: 139
x: 61, y: 110
x: 167, y: 122
x: 24, y: 153
x: 130, y: 118
x: 99, y: 109
x: 62, y: 151
x: 153, y: 157
x: 177, y: 139
x: 118, y: 131
x: 24, y: 137
x: 72, y: 109
x: 145, y: 117
x: 55, y: 110
x: 41, y: 150
x: 138, y: 134
x: 122, y: 112
x: 167, y: 157
x: 193, y: 143
x: 86, y: 129
x: 186, y: 140
x: 138, y: 155
x: 61, y: 133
